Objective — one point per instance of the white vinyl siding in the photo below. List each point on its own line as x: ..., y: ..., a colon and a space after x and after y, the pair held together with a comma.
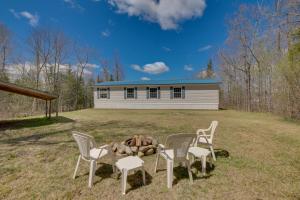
x: 194, y: 97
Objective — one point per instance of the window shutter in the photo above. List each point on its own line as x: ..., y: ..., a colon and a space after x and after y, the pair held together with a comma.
x: 158, y: 92
x: 171, y: 93
x: 108, y: 93
x: 183, y: 92
x: 98, y: 95
x: 135, y: 92
x: 147, y: 92
x: 125, y: 91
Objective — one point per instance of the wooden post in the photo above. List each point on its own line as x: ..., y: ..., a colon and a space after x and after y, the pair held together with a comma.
x: 50, y: 109
x: 57, y: 107
x: 46, y: 109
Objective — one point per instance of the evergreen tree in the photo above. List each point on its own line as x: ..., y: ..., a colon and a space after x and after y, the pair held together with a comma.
x: 209, y: 71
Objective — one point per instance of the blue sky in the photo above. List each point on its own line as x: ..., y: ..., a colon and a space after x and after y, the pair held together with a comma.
x: 158, y: 42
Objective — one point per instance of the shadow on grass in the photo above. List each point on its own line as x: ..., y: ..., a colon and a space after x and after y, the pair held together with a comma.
x: 181, y: 172
x: 104, y: 171
x: 32, y: 122
x: 35, y: 138
x: 221, y: 153
x: 136, y: 180
x: 198, y: 166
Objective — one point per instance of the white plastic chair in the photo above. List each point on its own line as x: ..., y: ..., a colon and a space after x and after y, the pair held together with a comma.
x: 89, y: 153
x: 202, y: 154
x: 205, y: 136
x: 175, y: 150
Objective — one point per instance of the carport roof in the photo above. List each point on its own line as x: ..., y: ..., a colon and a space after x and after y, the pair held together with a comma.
x: 10, y: 87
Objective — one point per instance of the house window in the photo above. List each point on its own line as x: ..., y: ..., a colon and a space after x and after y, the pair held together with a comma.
x: 177, y: 93
x: 153, y: 94
x: 130, y: 93
x: 102, y: 93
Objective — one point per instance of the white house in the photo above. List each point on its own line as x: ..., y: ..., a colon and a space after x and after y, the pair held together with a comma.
x: 154, y: 94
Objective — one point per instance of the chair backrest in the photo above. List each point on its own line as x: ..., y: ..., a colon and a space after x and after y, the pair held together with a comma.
x: 212, y: 128
x: 84, y: 142
x: 180, y: 144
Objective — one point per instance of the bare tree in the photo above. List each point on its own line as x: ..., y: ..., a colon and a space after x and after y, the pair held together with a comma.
x: 83, y: 56
x: 40, y: 44
x: 254, y: 65
x: 118, y: 73
x: 59, y: 48
x: 105, y: 70
x: 5, y: 44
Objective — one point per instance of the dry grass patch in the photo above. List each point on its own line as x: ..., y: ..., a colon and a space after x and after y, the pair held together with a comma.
x: 258, y: 156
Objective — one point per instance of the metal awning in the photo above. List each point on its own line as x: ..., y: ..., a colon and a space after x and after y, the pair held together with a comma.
x: 10, y: 87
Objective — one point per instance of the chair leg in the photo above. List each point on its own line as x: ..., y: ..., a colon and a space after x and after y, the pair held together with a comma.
x: 169, y: 173
x: 93, y: 166
x: 192, y: 158
x: 203, y: 161
x: 212, y: 152
x: 144, y: 176
x: 188, y: 164
x: 210, y: 161
x: 156, y: 162
x: 77, y: 166
x: 114, y: 168
x: 124, y: 180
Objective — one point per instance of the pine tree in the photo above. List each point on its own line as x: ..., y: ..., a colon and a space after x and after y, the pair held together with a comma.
x: 209, y: 70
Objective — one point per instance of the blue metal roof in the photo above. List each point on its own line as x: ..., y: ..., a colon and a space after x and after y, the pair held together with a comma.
x: 159, y: 82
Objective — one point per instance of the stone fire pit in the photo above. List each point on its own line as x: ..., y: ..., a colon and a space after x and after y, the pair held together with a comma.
x: 137, y: 145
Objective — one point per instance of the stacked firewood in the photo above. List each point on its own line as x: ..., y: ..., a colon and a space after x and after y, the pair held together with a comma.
x: 137, y: 145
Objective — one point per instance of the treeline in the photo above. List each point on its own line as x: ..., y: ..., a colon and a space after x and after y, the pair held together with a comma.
x: 260, y: 62
x: 51, y: 61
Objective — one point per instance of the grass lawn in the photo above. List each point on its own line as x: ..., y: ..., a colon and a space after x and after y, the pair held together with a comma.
x: 258, y: 156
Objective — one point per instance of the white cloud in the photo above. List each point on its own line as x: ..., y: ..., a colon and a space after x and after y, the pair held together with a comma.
x: 15, y: 70
x: 167, y: 13
x: 91, y: 65
x: 167, y: 49
x: 15, y: 14
x: 188, y: 68
x: 87, y: 72
x: 105, y: 33
x: 73, y: 4
x: 33, y: 19
x: 153, y: 68
x: 136, y: 67
x: 205, y: 48
x: 145, y: 79
x: 204, y: 74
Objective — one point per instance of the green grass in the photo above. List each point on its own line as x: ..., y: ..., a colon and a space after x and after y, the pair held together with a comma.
x: 258, y: 156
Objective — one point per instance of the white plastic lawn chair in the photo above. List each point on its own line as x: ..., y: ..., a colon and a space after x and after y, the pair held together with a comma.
x: 89, y: 153
x: 175, y: 150
x: 202, y: 154
x: 205, y: 136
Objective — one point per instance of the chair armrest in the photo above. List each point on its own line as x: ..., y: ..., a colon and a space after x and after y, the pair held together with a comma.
x: 201, y: 131
x: 108, y: 148
x: 206, y: 137
x: 203, y: 135
x: 161, y: 146
x: 104, y: 146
